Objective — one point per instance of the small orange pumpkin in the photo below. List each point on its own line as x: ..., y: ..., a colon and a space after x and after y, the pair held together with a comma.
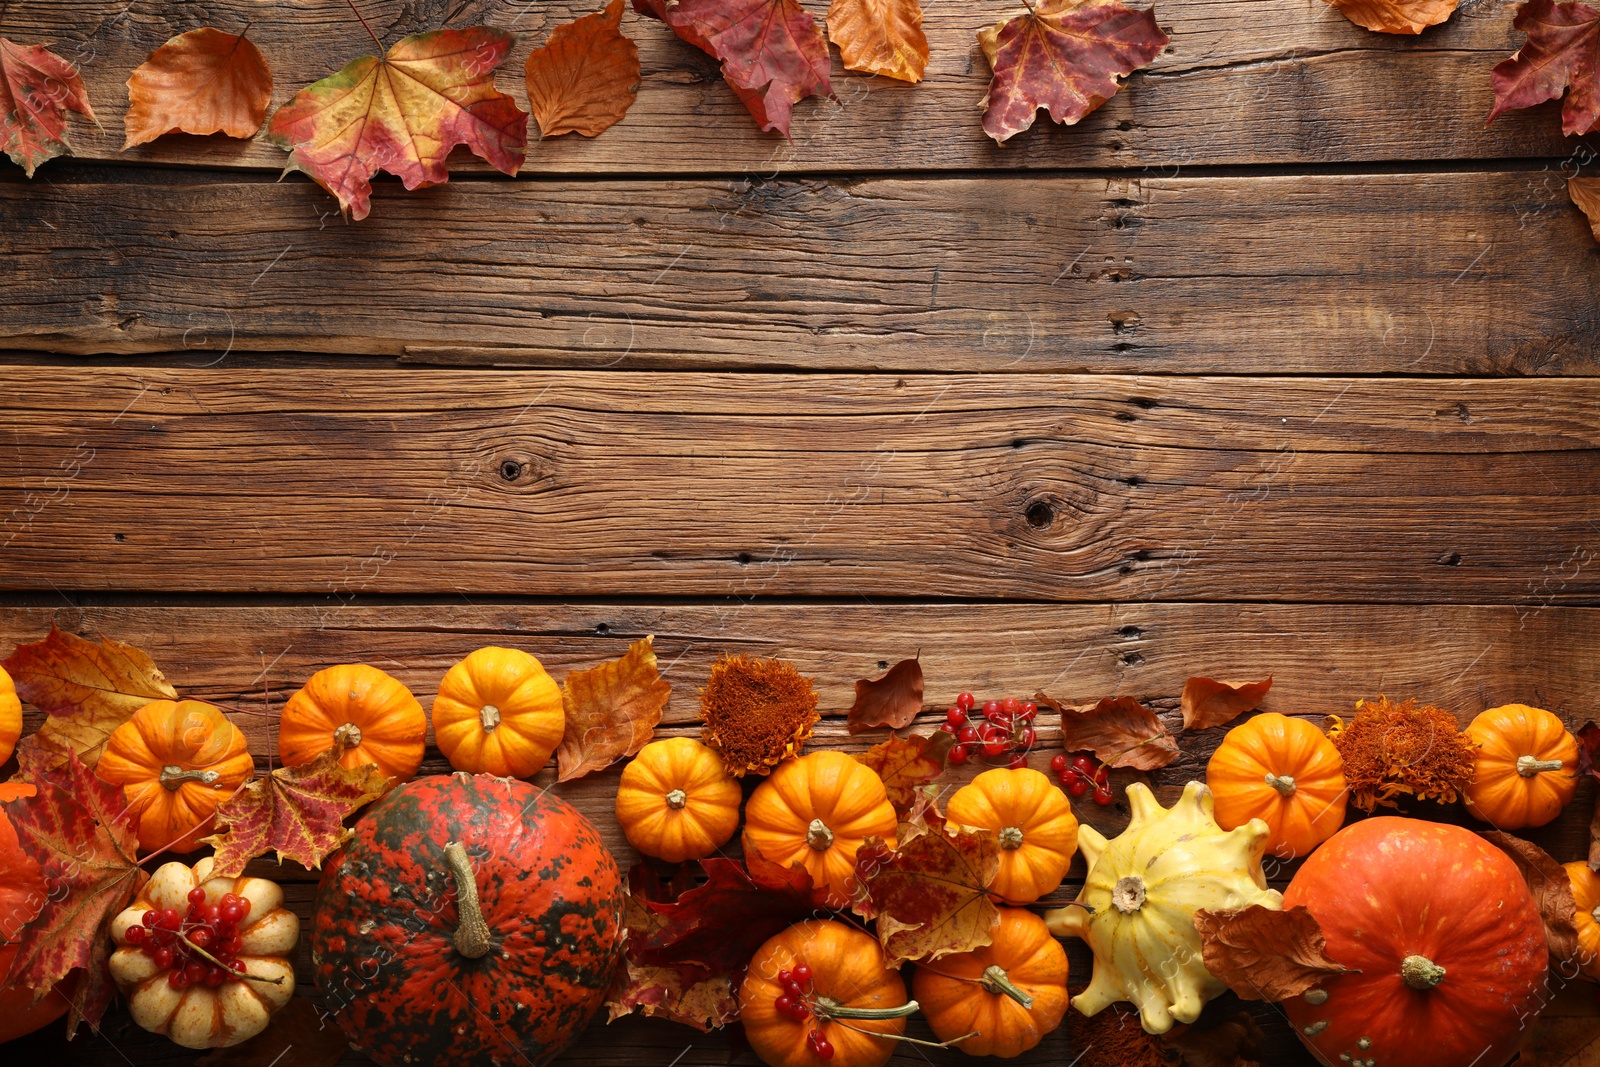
x: 816, y: 810
x: 1010, y: 993
x: 676, y: 801
x: 10, y: 716
x: 371, y: 714
x: 1586, y: 917
x: 1038, y: 832
x: 1285, y: 772
x: 175, y: 761
x: 498, y: 712
x: 852, y: 997
x: 1525, y: 769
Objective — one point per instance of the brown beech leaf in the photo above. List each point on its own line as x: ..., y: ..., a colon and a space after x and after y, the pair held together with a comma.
x: 880, y: 37
x: 37, y: 89
x: 905, y: 763
x: 1120, y: 731
x: 1208, y: 703
x: 77, y: 830
x: 316, y: 1041
x: 1561, y: 54
x: 201, y: 82
x: 585, y: 77
x: 612, y: 710
x: 1585, y: 192
x: 930, y: 896
x: 1236, y: 1041
x: 1395, y: 16
x: 1063, y: 55
x: 1264, y: 954
x: 88, y: 690
x: 892, y: 700
x: 1551, y: 888
x: 296, y: 812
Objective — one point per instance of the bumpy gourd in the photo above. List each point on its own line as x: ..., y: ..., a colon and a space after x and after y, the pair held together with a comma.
x: 1141, y: 894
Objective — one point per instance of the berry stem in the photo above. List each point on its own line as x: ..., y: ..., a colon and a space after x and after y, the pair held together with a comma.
x: 243, y: 974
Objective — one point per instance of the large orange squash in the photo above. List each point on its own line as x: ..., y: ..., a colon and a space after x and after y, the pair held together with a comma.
x: 1285, y: 772
x: 498, y: 712
x: 371, y: 714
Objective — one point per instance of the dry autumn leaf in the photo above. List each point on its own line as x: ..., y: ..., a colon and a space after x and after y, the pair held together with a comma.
x: 37, y: 89
x: 930, y: 896
x: 1588, y: 736
x: 1208, y: 703
x: 201, y: 82
x: 1551, y: 888
x: 1395, y: 16
x: 585, y: 77
x: 77, y: 830
x: 612, y: 710
x: 296, y: 812
x: 1585, y: 192
x: 890, y: 701
x: 1264, y: 954
x: 905, y: 763
x: 1120, y: 731
x: 1065, y: 56
x: 1561, y: 54
x: 316, y: 1040
x: 773, y: 54
x: 880, y: 37
x: 403, y: 114
x: 87, y: 689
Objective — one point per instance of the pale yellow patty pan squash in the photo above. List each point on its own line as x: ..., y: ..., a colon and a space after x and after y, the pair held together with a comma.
x: 1141, y: 895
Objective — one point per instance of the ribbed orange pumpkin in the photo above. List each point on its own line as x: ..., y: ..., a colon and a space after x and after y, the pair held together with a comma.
x: 1038, y: 832
x: 175, y: 761
x: 498, y: 712
x: 22, y: 892
x: 1586, y: 916
x: 1285, y: 772
x: 1012, y: 992
x: 1525, y: 769
x: 676, y: 801
x: 372, y: 715
x: 10, y: 716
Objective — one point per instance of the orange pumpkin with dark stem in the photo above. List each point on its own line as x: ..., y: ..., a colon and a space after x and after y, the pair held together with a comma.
x: 676, y: 802
x: 1586, y: 915
x: 1038, y: 832
x: 1285, y: 772
x: 1009, y: 993
x: 22, y: 893
x: 10, y: 716
x: 1525, y: 771
x: 175, y: 761
x: 498, y: 712
x: 371, y: 714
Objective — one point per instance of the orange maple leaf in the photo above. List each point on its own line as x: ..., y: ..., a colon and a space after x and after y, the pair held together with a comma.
x: 612, y: 710
x: 201, y: 82
x: 1395, y: 16
x: 37, y: 89
x: 930, y: 896
x: 880, y: 37
x: 585, y: 77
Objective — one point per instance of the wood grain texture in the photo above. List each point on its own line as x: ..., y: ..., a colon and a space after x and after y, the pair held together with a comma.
x: 1466, y: 274
x: 1300, y: 85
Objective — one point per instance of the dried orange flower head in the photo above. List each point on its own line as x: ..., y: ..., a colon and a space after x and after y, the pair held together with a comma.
x: 1392, y: 750
x: 757, y: 712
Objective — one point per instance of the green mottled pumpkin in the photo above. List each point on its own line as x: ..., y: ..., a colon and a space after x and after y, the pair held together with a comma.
x: 409, y: 972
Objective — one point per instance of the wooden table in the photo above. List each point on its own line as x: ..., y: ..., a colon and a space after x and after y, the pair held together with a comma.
x: 1281, y: 362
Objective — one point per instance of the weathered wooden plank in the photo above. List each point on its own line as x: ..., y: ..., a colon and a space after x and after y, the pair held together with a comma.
x: 349, y: 481
x: 1301, y: 86
x: 1483, y: 273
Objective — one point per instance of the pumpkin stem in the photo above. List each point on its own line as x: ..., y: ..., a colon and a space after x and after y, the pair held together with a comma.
x: 995, y: 980
x: 1128, y: 894
x: 348, y: 735
x: 1420, y: 972
x: 677, y: 799
x: 826, y: 1008
x: 489, y: 716
x: 1283, y: 783
x: 1528, y: 766
x: 819, y: 836
x: 173, y: 776
x: 1011, y: 838
x: 472, y: 935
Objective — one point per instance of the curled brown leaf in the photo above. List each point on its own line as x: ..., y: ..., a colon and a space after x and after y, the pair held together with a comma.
x: 1551, y: 888
x: 1263, y: 954
x: 891, y: 700
x: 1208, y: 702
x: 1120, y: 731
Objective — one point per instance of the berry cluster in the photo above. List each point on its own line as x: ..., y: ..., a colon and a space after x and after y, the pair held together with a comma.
x: 793, y: 1003
x: 1082, y: 775
x: 1005, y: 736
x: 170, y: 940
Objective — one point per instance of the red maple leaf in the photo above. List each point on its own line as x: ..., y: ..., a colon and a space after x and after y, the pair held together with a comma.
x: 1562, y: 54
x: 37, y: 89
x: 719, y: 925
x: 773, y: 52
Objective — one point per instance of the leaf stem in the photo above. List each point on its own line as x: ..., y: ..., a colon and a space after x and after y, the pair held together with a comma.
x: 368, y: 28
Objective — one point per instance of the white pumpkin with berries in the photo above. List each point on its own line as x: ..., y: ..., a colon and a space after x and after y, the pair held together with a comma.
x: 205, y: 960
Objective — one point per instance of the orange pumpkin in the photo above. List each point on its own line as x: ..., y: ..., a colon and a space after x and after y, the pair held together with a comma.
x: 1009, y: 993
x: 1586, y: 917
x: 372, y: 715
x: 498, y: 712
x: 22, y: 893
x: 849, y: 997
x: 10, y: 716
x: 816, y: 811
x: 1525, y: 769
x: 1285, y: 772
x: 1038, y: 832
x: 676, y: 801
x: 175, y: 761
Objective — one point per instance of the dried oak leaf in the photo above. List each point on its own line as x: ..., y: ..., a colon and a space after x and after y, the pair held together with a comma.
x: 316, y: 1040
x: 890, y: 701
x: 88, y: 690
x: 1208, y: 703
x: 1395, y: 16
x: 1120, y: 731
x: 403, y: 114
x: 773, y: 54
x: 1262, y: 954
x: 1561, y: 54
x: 585, y: 77
x: 1236, y: 1041
x: 1585, y: 193
x: 930, y: 896
x: 201, y: 82
x: 1551, y: 888
x: 880, y: 37
x: 37, y: 89
x: 296, y: 812
x: 1065, y: 56
x: 77, y: 830
x: 612, y: 710
x: 905, y: 763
